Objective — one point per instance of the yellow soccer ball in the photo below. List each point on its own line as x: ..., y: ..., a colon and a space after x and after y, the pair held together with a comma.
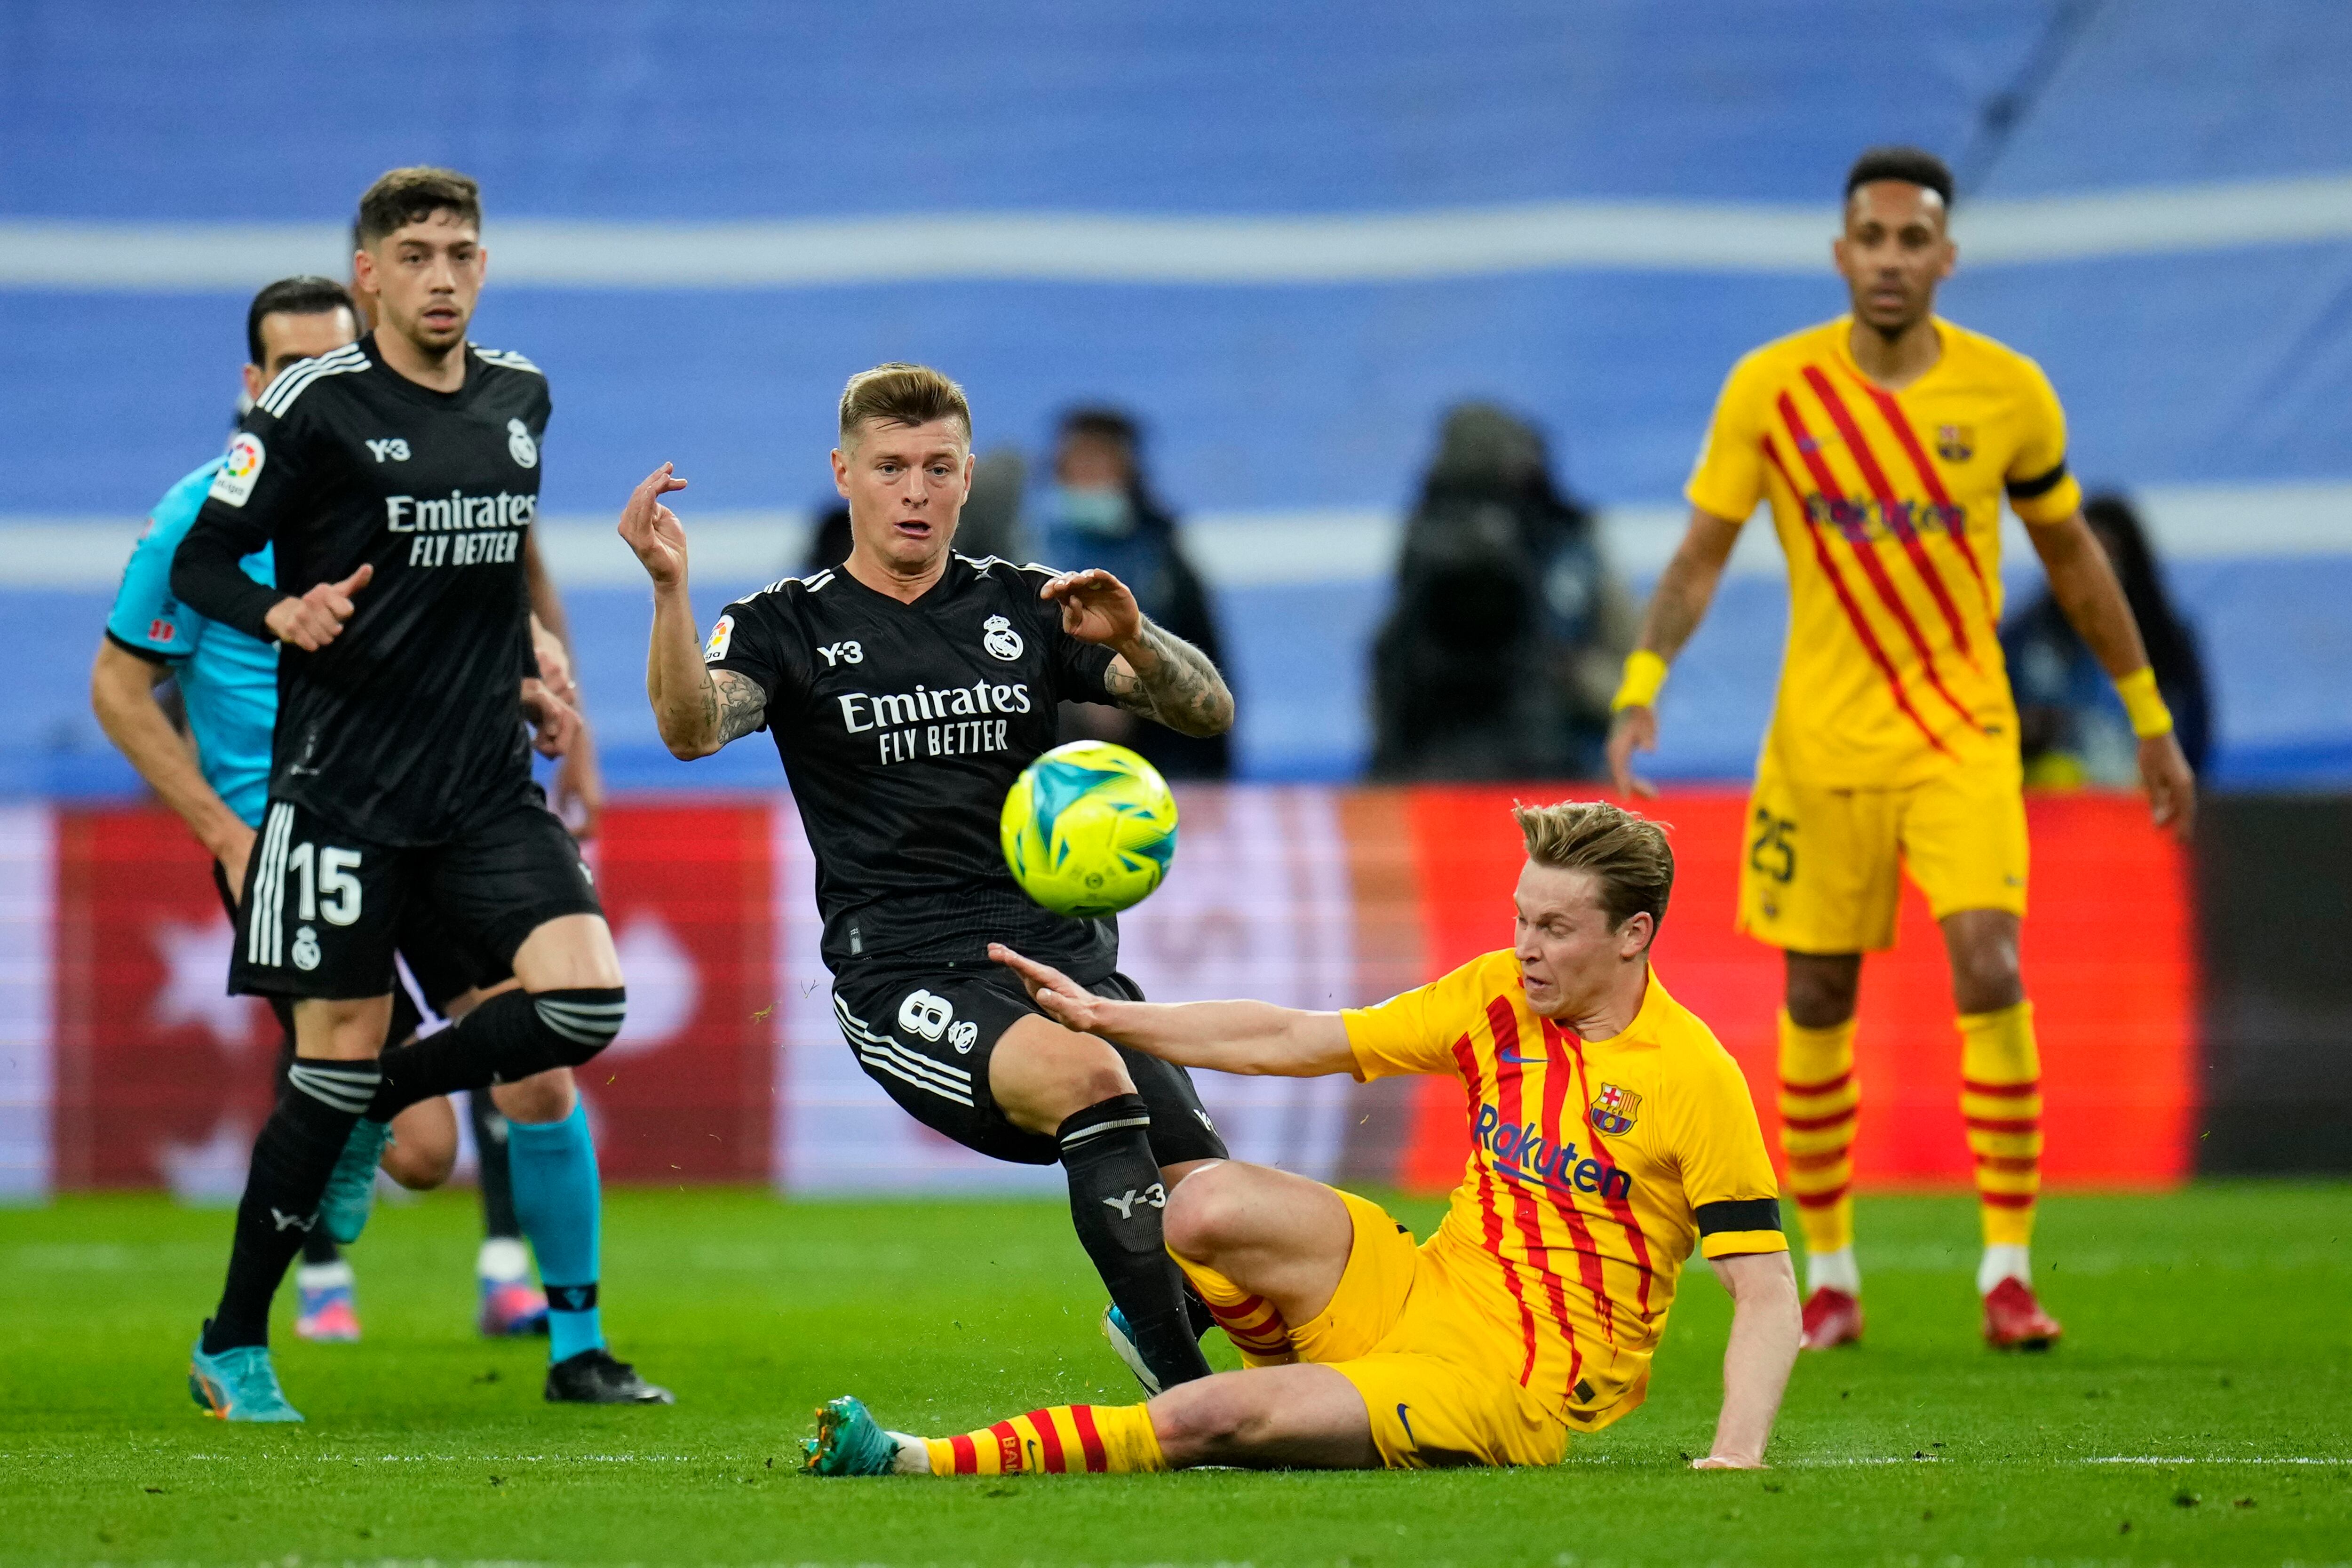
x: 1088, y: 830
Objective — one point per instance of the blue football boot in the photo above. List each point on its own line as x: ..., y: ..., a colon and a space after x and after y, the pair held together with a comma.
x: 237, y: 1384
x: 850, y: 1442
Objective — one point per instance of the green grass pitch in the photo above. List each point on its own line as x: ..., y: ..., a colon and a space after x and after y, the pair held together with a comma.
x: 2197, y: 1411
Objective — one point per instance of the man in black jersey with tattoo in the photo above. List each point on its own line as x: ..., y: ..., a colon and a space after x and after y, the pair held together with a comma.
x: 399, y: 475
x: 907, y: 689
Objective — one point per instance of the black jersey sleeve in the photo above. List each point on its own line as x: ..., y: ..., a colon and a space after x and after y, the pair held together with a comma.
x: 257, y: 487
x: 758, y: 638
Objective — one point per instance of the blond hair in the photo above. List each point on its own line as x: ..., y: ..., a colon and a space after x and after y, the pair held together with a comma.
x: 1627, y: 855
x: 901, y: 394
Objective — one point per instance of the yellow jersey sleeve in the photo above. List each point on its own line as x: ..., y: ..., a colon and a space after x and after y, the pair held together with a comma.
x: 1415, y: 1031
x: 1730, y: 478
x: 2040, y: 490
x: 1726, y: 1175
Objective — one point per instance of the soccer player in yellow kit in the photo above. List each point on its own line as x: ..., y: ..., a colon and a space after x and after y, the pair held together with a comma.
x: 1611, y: 1137
x: 1884, y: 441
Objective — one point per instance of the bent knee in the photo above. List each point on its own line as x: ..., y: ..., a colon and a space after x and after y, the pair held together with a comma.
x: 1205, y: 1213
x: 543, y: 1097
x: 581, y: 1021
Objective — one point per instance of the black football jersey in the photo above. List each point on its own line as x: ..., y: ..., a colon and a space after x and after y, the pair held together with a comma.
x: 902, y: 727
x: 409, y: 723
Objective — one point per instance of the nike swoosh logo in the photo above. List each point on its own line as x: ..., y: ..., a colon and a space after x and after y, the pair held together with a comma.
x: 1407, y: 1422
x: 1519, y: 1060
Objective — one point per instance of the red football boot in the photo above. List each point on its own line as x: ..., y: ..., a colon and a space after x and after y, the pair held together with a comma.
x: 1831, y: 1318
x: 2014, y: 1320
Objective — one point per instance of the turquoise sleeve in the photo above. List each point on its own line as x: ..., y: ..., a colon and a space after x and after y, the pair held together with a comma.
x: 146, y: 617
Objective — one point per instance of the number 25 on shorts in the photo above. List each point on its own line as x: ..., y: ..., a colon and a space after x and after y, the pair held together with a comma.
x: 1773, y: 851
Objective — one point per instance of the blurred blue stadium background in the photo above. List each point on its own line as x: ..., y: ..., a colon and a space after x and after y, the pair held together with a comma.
x: 2186, y: 278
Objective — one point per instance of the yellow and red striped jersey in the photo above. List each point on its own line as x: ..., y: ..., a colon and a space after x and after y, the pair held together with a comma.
x: 1888, y: 506
x: 1595, y: 1167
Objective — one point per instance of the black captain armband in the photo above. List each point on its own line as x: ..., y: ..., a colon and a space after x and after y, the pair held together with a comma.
x: 2041, y: 485
x: 1738, y: 1214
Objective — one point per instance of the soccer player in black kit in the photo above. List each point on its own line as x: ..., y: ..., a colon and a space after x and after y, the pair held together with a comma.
x: 399, y: 475
x: 907, y: 689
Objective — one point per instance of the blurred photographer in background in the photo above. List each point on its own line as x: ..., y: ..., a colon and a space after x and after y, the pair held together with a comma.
x: 1499, y: 654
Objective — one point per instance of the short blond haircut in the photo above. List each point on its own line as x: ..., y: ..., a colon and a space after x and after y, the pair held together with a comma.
x: 901, y: 394
x: 1627, y: 855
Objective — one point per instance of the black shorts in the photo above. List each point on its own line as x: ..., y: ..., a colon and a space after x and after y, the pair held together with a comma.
x: 925, y: 1035
x: 439, y: 970
x: 323, y: 913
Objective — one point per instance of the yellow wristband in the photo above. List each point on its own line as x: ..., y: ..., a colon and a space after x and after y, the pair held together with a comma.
x: 2149, y: 716
x: 1646, y: 672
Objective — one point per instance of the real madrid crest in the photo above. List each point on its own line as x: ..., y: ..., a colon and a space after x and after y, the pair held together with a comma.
x: 520, y: 446
x: 997, y: 636
x: 1614, y: 1110
x: 1956, y: 443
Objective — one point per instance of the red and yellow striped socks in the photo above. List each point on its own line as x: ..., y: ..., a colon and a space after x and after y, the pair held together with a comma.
x: 2001, y: 1098
x: 1114, y: 1439
x: 1253, y: 1324
x: 1818, y: 1101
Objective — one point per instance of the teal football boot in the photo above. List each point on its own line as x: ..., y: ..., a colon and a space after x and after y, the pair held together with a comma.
x: 237, y: 1384
x: 350, y: 1190
x: 850, y: 1442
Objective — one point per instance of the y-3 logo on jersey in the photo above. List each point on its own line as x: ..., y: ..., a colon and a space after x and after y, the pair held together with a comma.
x: 391, y: 450
x: 842, y: 653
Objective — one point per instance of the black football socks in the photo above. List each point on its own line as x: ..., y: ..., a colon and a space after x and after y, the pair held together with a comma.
x: 497, y: 1177
x: 293, y: 1158
x: 1116, y: 1203
x: 508, y: 1038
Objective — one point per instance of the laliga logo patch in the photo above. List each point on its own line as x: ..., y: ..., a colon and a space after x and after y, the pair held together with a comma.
x: 306, y: 947
x: 926, y: 1015
x: 1614, y: 1110
x: 239, y: 470
x: 520, y: 446
x: 997, y: 636
x: 721, y: 634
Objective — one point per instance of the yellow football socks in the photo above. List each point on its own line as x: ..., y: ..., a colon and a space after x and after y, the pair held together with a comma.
x: 2001, y: 1098
x: 1253, y: 1324
x: 1115, y: 1438
x: 1818, y: 1100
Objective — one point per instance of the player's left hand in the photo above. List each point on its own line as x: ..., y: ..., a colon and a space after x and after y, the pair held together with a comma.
x: 1727, y: 1462
x: 554, y: 663
x: 1096, y: 607
x: 579, y: 794
x: 2171, y: 787
x: 554, y: 722
x: 1057, y: 995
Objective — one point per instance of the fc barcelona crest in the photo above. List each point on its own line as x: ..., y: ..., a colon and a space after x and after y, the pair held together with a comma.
x: 1614, y: 1110
x: 1956, y: 443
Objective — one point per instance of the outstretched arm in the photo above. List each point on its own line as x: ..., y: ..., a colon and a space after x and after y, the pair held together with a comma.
x: 1766, y: 1327
x: 1157, y: 673
x: 1677, y: 605
x: 696, y: 709
x: 1256, y: 1037
x: 2084, y: 583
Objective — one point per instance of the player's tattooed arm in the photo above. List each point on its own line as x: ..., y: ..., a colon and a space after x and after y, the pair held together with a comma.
x: 1162, y: 676
x: 733, y: 705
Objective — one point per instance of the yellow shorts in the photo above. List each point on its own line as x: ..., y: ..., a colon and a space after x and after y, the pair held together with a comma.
x: 1438, y: 1376
x: 1821, y: 867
